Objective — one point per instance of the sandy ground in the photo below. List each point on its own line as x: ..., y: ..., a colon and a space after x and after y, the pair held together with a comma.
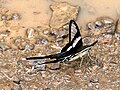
x: 25, y: 31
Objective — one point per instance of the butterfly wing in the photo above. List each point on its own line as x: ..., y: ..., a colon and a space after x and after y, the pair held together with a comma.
x: 75, y: 38
x: 73, y: 31
x: 53, y: 56
x: 59, y: 57
x: 75, y: 41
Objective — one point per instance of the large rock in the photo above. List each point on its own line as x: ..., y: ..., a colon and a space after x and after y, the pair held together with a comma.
x: 62, y: 13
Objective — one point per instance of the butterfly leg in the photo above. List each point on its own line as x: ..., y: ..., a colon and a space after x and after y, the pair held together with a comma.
x: 66, y: 60
x: 90, y: 58
x: 81, y: 61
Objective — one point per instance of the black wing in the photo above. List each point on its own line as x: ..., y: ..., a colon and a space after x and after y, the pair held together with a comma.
x: 53, y: 56
x: 42, y: 57
x: 75, y: 39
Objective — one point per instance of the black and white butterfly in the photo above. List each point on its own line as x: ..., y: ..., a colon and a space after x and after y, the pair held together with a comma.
x: 73, y: 50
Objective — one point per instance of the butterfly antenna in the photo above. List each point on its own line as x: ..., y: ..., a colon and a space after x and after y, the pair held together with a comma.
x: 94, y: 43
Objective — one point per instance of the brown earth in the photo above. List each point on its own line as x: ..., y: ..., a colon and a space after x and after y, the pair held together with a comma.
x: 19, y: 40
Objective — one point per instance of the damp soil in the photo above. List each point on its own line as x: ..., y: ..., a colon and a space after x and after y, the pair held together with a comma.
x: 25, y: 31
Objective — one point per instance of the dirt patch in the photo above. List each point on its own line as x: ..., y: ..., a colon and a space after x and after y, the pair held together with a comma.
x: 18, y: 42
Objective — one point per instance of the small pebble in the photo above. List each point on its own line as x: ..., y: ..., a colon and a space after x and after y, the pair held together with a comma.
x: 97, y: 86
x: 29, y: 46
x: 91, y: 26
x: 20, y: 43
x: 23, y: 59
x: 15, y: 16
x: 3, y: 17
x: 55, y: 66
x: 41, y: 60
x: 46, y: 32
x: 90, y: 84
x: 40, y: 67
x: 5, y: 33
x: 44, y: 41
x: 30, y: 32
x: 107, y: 21
x: 21, y: 47
x: 117, y: 36
x: 38, y: 41
x: 107, y: 35
x: 61, y: 33
x: 98, y: 25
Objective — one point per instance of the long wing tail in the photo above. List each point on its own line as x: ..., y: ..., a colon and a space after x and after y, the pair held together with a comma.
x: 53, y: 56
x: 33, y: 58
x: 48, y: 62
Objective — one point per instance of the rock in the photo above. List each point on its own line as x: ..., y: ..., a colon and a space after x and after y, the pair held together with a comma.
x: 20, y: 43
x: 62, y: 13
x: 97, y: 86
x: 38, y: 41
x: 60, y: 33
x: 98, y: 25
x: 3, y: 17
x: 37, y: 63
x: 107, y: 21
x: 117, y: 36
x: 55, y: 66
x: 29, y: 46
x: 4, y: 47
x: 40, y: 67
x: 5, y: 33
x: 15, y: 16
x: 91, y: 25
x: 90, y: 84
x: 107, y: 35
x: 10, y: 16
x: 45, y: 32
x: 44, y: 41
x: 30, y: 32
x: 101, y: 23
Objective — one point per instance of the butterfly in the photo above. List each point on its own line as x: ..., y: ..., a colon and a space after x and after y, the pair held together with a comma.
x: 73, y: 50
